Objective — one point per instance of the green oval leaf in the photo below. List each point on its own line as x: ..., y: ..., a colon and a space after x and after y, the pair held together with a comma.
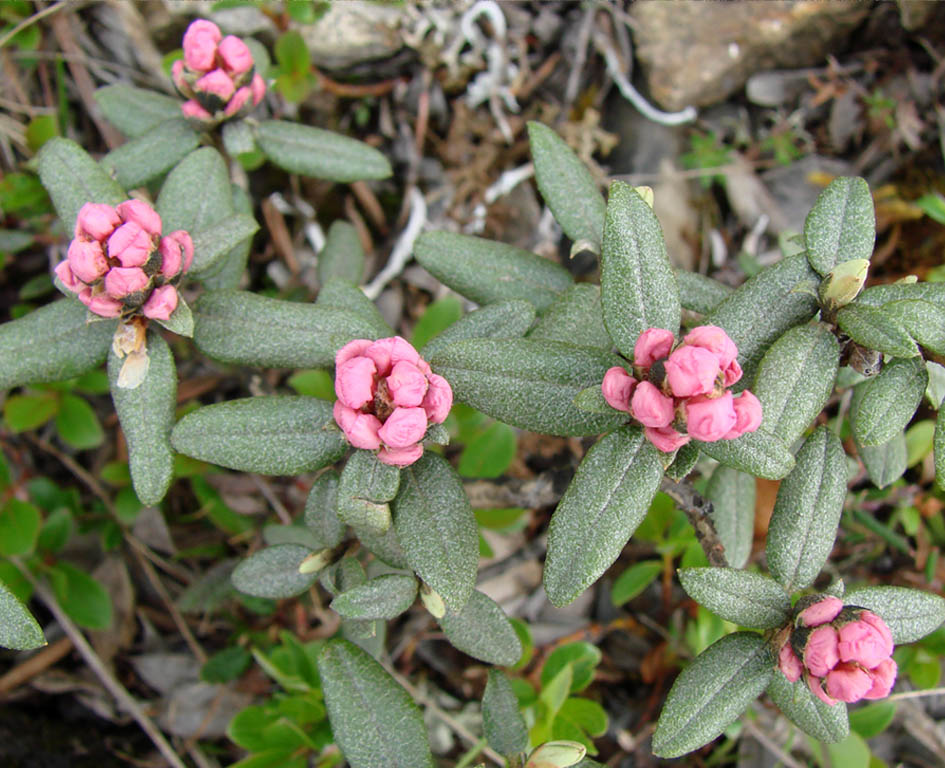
x: 795, y: 379
x: 489, y: 453
x: 923, y: 320
x: 889, y: 401
x: 72, y: 179
x: 323, y: 154
x: 567, y: 186
x: 385, y: 546
x: 372, y: 718
x: 343, y: 255
x: 807, y: 712
x: 483, y: 631
x: 807, y: 511
x: 151, y: 154
x: 23, y: 412
x: 758, y: 453
x: 321, y: 510
x: 605, y: 502
x: 135, y: 111
x: 146, y: 414
x: 885, y: 463
x: 180, y: 208
x: 18, y: 629
x: 711, y: 692
x: 699, y: 293
x: 502, y: 320
x: 732, y: 494
x: 366, y: 485
x: 383, y: 597
x: 879, y: 295
x: 244, y: 328
x: 529, y: 384
x: 82, y: 597
x: 486, y: 271
x: 575, y: 317
x: 638, y: 287
x: 77, y: 423
x: 502, y: 722
x: 217, y: 240
x: 841, y: 226
x: 874, y: 328
x: 269, y: 435
x: 436, y: 528
x: 789, y: 286
x: 344, y: 295
x: 436, y: 318
x: 19, y: 527
x: 938, y: 444
x: 909, y: 613
x: 742, y: 597
x: 273, y: 572
x: 634, y: 580
x: 226, y: 273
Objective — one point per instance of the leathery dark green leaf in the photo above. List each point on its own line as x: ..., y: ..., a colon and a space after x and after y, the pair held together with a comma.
x: 732, y: 494
x: 383, y: 597
x: 502, y: 722
x: 152, y: 153
x: 910, y: 614
x: 874, y: 328
x: 807, y: 712
x: 501, y: 320
x: 889, y: 401
x: 758, y: 453
x: 273, y: 572
x: 745, y: 598
x: 483, y: 631
x: 575, y: 318
x: 699, y: 293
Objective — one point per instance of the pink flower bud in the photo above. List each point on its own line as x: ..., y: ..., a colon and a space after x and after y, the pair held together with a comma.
x: 820, y: 652
x: 692, y: 371
x: 122, y: 281
x: 177, y: 75
x: 666, y: 439
x: 731, y: 374
x: 217, y: 83
x: 747, y: 415
x: 400, y: 457
x: 404, y: 427
x: 653, y: 344
x: 195, y: 111
x: 85, y: 296
x: 104, y: 306
x: 863, y: 643
x: 86, y: 260
x: 141, y: 214
x: 354, y: 348
x: 177, y: 253
x: 816, y: 685
x: 715, y: 340
x: 162, y: 303
x: 651, y: 407
x: 131, y: 245
x: 386, y: 352
x: 879, y: 625
x: 789, y: 664
x: 710, y: 419
x: 406, y: 384
x: 64, y: 272
x: 238, y: 101
x: 200, y: 44
x: 96, y: 220
x: 258, y: 87
x: 438, y: 399
x: 360, y: 429
x: 848, y: 682
x: 617, y: 387
x: 235, y: 54
x: 884, y: 676
x: 354, y: 382
x: 822, y: 612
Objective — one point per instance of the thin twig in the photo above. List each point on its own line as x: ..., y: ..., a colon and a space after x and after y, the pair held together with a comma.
x: 916, y: 694
x: 38, y: 662
x: 699, y: 511
x: 403, y: 249
x: 278, y: 507
x: 762, y: 738
x: 91, y: 658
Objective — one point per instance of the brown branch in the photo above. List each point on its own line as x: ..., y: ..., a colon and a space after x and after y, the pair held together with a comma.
x: 35, y: 664
x: 699, y: 512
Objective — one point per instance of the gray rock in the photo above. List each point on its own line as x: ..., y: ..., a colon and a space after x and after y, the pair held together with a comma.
x: 794, y: 194
x: 353, y: 32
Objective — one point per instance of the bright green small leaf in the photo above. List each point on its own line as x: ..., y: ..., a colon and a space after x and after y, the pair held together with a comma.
x: 77, y: 423
x: 226, y: 665
x: 82, y: 597
x: 490, y: 453
x: 919, y: 438
x: 316, y: 382
x: 56, y: 530
x: 23, y: 412
x: 873, y: 719
x: 437, y: 318
x: 19, y: 527
x: 581, y: 657
x: 634, y: 580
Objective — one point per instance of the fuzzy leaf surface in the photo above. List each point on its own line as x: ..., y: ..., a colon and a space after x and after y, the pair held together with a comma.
x: 638, y: 287
x: 938, y: 444
x: 217, y: 240
x: 878, y: 295
x: 732, y: 494
x: 711, y: 692
x: 269, y: 435
x: 203, y: 169
x: 151, y: 154
x: 885, y: 463
x: 699, y: 293
x: 795, y: 379
x: 566, y: 185
x: 486, y: 271
x: 528, y: 384
x: 343, y: 255
x: 241, y: 327
x: 909, y: 613
x: 807, y: 712
x: 483, y: 631
x: 502, y: 722
x: 365, y: 488
x: 383, y: 597
x: 807, y: 511
x: 745, y: 598
x: 273, y: 572
x: 437, y: 529
x: 226, y: 273
x: 575, y: 318
x: 18, y: 629
x: 874, y: 328
x: 373, y: 719
x: 923, y: 321
x: 344, y: 295
x: 841, y: 226
x: 321, y: 510
x: 146, y: 414
x: 323, y: 154
x: 602, y: 507
x: 758, y: 453
x: 501, y: 320
x: 752, y: 330
x: 72, y: 179
x: 135, y: 111
x: 889, y: 401
x: 52, y: 343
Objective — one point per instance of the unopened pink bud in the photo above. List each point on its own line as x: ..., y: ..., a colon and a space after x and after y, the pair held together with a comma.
x: 104, y: 306
x: 879, y: 625
x: 848, y: 682
x: 235, y: 55
x: 404, y: 427
x: 863, y: 643
x: 407, y: 384
x: 177, y: 75
x: 386, y: 352
x: 748, y: 415
x: 822, y: 612
x: 400, y: 457
x: 217, y: 83
x: 238, y: 101
x: 354, y: 382
x: 692, y: 371
x: 123, y: 281
x: 177, y: 253
x: 194, y: 110
x: 715, y: 340
x: 360, y: 429
x: 710, y: 419
x: 731, y: 374
x: 816, y: 686
x: 789, y: 664
x: 131, y: 245
x: 652, y: 345
x: 141, y: 214
x: 86, y: 260
x: 883, y: 676
x: 96, y: 220
x: 200, y: 44
x: 651, y: 407
x: 666, y: 439
x: 64, y: 273
x: 85, y: 296
x: 617, y: 388
x: 162, y: 303
x: 351, y: 349
x: 258, y: 86
x: 820, y: 652
x: 438, y: 399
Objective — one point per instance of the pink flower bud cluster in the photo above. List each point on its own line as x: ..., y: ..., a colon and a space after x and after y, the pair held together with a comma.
x: 119, y: 265
x: 387, y: 396
x: 843, y: 652
x: 682, y: 393
x: 216, y: 75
